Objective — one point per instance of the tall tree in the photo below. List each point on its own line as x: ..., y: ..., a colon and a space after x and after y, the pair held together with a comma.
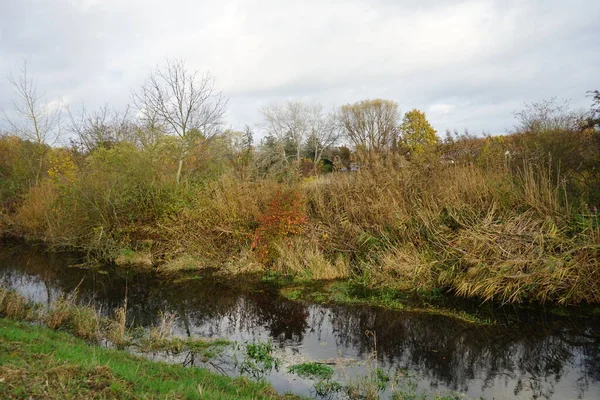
x: 182, y: 102
x: 295, y: 126
x: 324, y: 132
x: 370, y: 124
x: 34, y: 118
x: 417, y: 133
x: 288, y: 124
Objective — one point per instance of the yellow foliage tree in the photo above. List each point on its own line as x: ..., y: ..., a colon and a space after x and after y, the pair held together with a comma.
x: 417, y: 134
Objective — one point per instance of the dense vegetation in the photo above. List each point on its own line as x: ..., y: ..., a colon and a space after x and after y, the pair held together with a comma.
x: 510, y: 218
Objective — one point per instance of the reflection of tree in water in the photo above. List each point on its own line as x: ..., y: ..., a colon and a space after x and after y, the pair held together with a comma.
x: 530, y: 358
x: 216, y: 307
x: 453, y: 353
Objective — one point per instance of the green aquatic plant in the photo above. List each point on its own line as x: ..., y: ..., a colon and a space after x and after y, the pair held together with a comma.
x: 327, y: 387
x: 258, y: 360
x: 312, y: 370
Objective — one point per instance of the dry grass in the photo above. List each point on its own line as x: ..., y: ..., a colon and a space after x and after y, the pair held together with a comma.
x: 494, y: 233
x: 164, y: 330
x: 60, y: 314
x: 403, y: 268
x: 485, y: 233
x: 221, y: 221
x: 83, y: 321
x: 498, y: 233
x: 15, y: 306
x: 304, y: 258
x: 117, y: 330
x: 34, y: 214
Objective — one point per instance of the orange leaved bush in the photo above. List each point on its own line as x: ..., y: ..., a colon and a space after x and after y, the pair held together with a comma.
x: 283, y: 218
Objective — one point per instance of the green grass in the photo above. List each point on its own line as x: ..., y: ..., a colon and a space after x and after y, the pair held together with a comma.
x: 36, y: 362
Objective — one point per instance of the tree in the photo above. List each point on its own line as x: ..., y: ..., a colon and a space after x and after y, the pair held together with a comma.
x: 183, y: 103
x: 241, y: 151
x: 370, y: 124
x: 417, y: 134
x: 594, y: 118
x: 294, y: 126
x: 548, y: 115
x: 102, y: 127
x: 35, y: 119
x: 324, y: 133
x: 288, y: 125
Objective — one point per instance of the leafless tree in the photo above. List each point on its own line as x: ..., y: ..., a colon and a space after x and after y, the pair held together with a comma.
x: 325, y: 131
x: 183, y: 103
x: 287, y: 123
x: 102, y: 127
x: 296, y: 125
x: 34, y: 118
x: 150, y: 130
x: 548, y: 115
x: 371, y: 124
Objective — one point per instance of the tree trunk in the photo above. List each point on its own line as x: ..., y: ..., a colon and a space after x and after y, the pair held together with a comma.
x: 179, y: 168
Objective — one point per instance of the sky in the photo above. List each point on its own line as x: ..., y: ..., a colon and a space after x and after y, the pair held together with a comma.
x: 467, y: 64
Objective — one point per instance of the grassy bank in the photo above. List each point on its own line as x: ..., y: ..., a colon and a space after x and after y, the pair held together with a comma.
x: 40, y: 363
x: 510, y: 219
x: 488, y: 234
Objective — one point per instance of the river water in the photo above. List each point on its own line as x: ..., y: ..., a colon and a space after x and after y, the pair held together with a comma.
x: 527, y: 354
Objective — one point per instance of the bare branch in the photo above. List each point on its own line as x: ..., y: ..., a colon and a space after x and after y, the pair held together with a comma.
x: 183, y: 103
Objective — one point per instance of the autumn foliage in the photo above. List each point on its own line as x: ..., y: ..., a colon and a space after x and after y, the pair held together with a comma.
x: 283, y: 218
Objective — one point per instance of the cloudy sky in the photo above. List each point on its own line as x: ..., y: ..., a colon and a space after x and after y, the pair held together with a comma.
x: 468, y: 64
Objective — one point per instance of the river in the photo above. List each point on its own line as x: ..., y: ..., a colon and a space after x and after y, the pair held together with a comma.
x: 526, y: 354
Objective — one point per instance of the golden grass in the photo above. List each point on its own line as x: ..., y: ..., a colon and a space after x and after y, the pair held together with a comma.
x: 304, y: 258
x: 490, y: 234
x: 165, y: 328
x: 117, y: 329
x: 34, y: 214
x: 15, y: 306
x: 494, y: 233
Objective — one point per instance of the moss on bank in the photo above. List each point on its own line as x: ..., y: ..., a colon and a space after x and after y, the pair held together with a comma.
x: 352, y: 294
x: 36, y: 362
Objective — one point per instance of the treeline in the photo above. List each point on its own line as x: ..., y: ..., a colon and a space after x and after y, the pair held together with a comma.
x: 356, y: 193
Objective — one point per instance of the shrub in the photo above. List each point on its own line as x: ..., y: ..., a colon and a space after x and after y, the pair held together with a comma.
x: 283, y: 218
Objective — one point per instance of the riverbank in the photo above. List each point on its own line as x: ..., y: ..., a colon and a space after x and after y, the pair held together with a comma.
x: 42, y: 363
x: 490, y: 235
x: 205, y: 308
x: 41, y: 261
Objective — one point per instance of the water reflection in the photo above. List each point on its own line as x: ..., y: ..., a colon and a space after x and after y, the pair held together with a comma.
x: 546, y: 357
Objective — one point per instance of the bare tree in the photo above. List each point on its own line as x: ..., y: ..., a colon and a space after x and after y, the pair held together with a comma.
x: 548, y: 115
x: 295, y: 125
x: 371, y: 124
x: 150, y: 130
x: 288, y: 125
x: 183, y: 103
x: 324, y: 132
x: 34, y: 119
x: 102, y: 127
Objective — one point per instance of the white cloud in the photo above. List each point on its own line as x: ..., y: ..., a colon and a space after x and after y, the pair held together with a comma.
x: 466, y: 62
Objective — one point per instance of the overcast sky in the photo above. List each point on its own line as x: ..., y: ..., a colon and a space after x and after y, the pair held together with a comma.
x: 467, y: 64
